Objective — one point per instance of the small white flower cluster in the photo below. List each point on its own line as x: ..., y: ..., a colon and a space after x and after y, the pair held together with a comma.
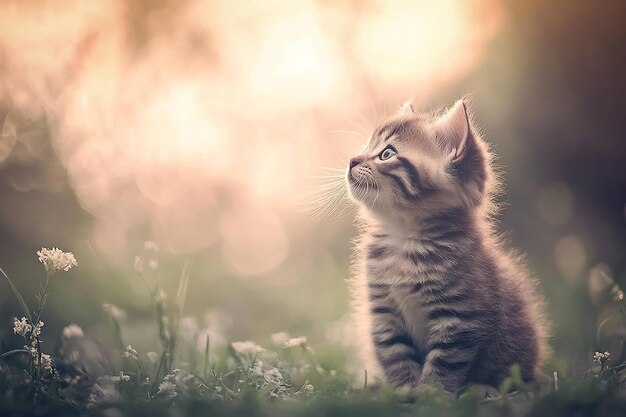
x: 167, y: 388
x: 37, y: 329
x: 56, y: 260
x: 123, y: 377
x: 308, y: 388
x: 280, y: 338
x: 129, y: 352
x: 103, y: 391
x: 46, y: 363
x: 296, y: 341
x: 21, y: 327
x: 151, y: 249
x: 114, y: 311
x: 285, y: 341
x: 152, y: 356
x: 247, y: 347
x: 73, y: 330
x: 160, y: 296
x: 601, y: 357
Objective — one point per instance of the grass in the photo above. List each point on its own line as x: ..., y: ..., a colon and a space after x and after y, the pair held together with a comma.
x: 287, y: 378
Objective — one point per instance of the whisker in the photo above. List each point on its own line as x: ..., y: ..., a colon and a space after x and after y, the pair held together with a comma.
x: 329, y: 196
x: 328, y: 177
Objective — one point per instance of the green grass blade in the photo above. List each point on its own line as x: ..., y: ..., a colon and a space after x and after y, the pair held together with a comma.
x: 19, y: 297
x: 181, y: 294
x: 205, y: 372
x: 13, y: 352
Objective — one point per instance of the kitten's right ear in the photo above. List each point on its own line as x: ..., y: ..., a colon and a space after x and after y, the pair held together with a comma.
x: 465, y: 150
x: 453, y: 128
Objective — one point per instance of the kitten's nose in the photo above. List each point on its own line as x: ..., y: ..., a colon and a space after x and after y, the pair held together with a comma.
x: 355, y: 161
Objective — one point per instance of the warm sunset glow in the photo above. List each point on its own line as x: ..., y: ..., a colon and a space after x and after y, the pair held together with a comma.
x: 167, y: 126
x: 294, y: 65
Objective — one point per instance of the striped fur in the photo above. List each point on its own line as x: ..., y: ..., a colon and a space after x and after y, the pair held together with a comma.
x: 437, y: 297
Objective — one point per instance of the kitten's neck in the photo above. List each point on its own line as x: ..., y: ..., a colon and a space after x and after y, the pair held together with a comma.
x: 443, y: 225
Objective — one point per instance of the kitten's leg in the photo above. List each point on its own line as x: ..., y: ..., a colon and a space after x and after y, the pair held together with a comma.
x: 393, y: 346
x: 451, y: 358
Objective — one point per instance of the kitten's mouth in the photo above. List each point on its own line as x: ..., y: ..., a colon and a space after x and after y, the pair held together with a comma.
x: 361, y: 181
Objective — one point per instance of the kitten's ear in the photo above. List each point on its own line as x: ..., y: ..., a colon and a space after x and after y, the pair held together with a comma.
x: 406, y: 109
x: 466, y: 153
x: 454, y: 130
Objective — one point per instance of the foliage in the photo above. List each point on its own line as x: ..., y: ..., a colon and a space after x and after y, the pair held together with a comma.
x: 247, y: 379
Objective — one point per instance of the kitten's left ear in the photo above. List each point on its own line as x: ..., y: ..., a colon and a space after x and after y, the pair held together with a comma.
x: 454, y: 130
x: 406, y: 109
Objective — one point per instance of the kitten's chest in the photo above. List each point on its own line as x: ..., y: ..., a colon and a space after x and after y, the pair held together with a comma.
x: 401, y: 276
x: 404, y: 270
x: 401, y: 263
x: 413, y: 311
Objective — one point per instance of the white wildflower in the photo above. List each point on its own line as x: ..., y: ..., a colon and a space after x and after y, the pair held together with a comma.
x: 56, y: 260
x: 103, y: 392
x: 153, y: 263
x: 555, y: 377
x: 308, y: 388
x: 247, y: 347
x: 46, y: 363
x: 129, y: 352
x: 152, y: 356
x: 123, y: 376
x: 601, y: 357
x: 31, y: 349
x: 37, y: 329
x: 73, y: 330
x: 167, y: 388
x: 138, y: 264
x: 115, y: 312
x: 160, y: 296
x: 150, y: 246
x: 273, y: 376
x: 21, y: 326
x: 280, y: 338
x: 296, y: 341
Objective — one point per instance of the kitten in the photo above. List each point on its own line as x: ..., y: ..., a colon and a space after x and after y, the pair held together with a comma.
x: 438, y: 298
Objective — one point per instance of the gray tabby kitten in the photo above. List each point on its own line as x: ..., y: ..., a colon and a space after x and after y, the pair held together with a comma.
x: 438, y: 299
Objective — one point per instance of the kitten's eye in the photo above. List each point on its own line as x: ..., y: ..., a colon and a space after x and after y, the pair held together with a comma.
x: 387, y: 153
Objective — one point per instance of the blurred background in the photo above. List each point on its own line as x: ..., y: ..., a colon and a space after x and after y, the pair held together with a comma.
x: 201, y: 126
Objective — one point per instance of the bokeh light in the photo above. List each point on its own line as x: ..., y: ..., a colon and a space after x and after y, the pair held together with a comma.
x: 147, y: 124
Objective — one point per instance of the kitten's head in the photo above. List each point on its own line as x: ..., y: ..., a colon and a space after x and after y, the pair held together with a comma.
x: 415, y: 165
